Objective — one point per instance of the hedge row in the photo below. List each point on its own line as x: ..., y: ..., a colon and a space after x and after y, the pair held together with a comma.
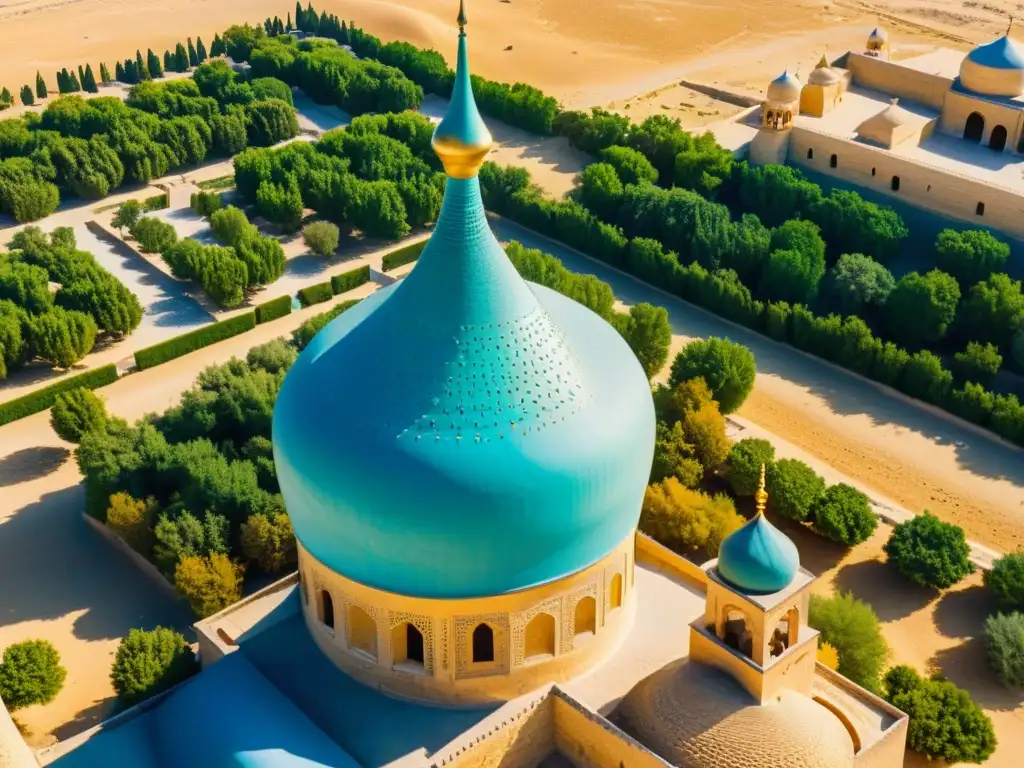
x: 190, y: 342
x: 273, y: 309
x: 157, y: 202
x: 314, y: 294
x: 846, y: 341
x: 346, y: 281
x: 41, y: 399
x: 402, y: 256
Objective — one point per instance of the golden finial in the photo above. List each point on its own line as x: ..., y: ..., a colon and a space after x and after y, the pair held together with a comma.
x: 761, y: 497
x: 462, y: 16
x: 1009, y: 26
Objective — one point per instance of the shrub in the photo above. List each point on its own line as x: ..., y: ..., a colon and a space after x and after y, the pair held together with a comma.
x: 1004, y: 643
x: 744, y: 462
x: 153, y: 235
x: 921, y: 307
x: 851, y: 627
x: 843, y: 514
x: 76, y: 412
x: 346, y: 281
x: 321, y: 237
x: 702, y: 423
x: 274, y: 356
x: 62, y: 337
x: 43, y: 398
x: 184, y: 535
x: 1006, y: 582
x: 728, y: 368
x: 978, y: 363
x: 630, y: 165
x: 210, y: 584
x: 405, y: 255
x: 674, y: 457
x: 647, y: 331
x: 945, y: 723
x: 149, y: 662
x: 828, y: 655
x: 30, y: 673
x: 197, y: 339
x: 314, y: 294
x: 269, y: 542
x: 132, y: 520
x: 127, y: 215
x: 205, y: 204
x: 930, y: 552
x: 686, y: 520
x: 304, y: 334
x: 970, y: 256
x: 273, y: 309
x: 793, y: 488
x: 157, y: 202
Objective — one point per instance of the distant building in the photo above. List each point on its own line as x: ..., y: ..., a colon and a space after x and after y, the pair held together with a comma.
x: 942, y: 131
x: 464, y: 457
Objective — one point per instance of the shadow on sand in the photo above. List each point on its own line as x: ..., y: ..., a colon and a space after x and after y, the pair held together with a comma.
x: 31, y: 464
x: 876, y: 583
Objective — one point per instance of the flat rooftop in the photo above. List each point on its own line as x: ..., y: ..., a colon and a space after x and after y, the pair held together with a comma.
x: 944, y: 62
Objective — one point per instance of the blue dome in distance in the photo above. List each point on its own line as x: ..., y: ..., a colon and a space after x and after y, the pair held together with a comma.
x: 1002, y: 53
x: 463, y: 433
x: 758, y: 558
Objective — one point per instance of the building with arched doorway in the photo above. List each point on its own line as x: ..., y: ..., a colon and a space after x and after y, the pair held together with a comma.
x: 463, y: 457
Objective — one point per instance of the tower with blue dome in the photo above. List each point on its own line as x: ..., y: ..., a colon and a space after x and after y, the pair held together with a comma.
x: 464, y: 454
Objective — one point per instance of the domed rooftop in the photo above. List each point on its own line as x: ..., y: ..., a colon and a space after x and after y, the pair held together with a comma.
x: 995, y: 68
x: 697, y: 716
x: 463, y: 433
x: 878, y: 35
x: 758, y: 558
x: 823, y: 74
x: 784, y: 88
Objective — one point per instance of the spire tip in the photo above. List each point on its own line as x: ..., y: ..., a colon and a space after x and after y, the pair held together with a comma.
x: 462, y: 16
x: 761, y: 497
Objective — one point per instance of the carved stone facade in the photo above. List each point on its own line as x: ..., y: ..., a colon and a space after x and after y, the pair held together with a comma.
x: 596, y: 603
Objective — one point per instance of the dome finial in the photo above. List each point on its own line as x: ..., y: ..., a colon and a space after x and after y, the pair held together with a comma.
x: 761, y: 497
x: 461, y: 139
x: 1009, y: 26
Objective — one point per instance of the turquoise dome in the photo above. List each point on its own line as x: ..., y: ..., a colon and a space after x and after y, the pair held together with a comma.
x: 1002, y: 53
x: 463, y: 433
x: 758, y: 558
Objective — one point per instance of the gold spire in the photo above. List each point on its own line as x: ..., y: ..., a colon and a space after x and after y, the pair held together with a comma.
x: 462, y: 16
x: 823, y: 62
x: 761, y: 497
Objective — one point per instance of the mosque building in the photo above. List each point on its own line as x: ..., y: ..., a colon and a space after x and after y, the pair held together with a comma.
x: 464, y: 457
x: 941, y: 131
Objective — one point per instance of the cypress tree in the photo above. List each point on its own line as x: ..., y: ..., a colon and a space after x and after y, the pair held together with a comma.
x: 268, y: 26
x: 168, y: 62
x: 104, y: 73
x: 217, y: 47
x: 180, y: 58
x: 5, y: 97
x: 40, y: 86
x: 153, y: 64
x: 200, y: 50
x: 119, y: 72
x: 193, y: 57
x: 131, y: 72
x: 26, y: 96
x: 62, y: 81
x: 81, y: 76
x: 75, y: 87
x: 344, y: 34
x: 89, y: 82
x: 288, y: 24
x: 324, y: 25
x: 140, y: 66
x: 298, y: 15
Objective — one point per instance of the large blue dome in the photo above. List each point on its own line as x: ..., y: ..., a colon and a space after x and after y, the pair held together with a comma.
x: 463, y: 433
x: 1002, y: 53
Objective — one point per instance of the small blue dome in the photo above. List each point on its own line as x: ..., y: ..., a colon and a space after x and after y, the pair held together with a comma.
x: 758, y: 558
x: 1001, y: 53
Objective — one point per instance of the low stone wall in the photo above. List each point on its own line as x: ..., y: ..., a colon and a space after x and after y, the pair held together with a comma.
x: 589, y: 740
x: 140, y: 562
x: 521, y: 740
x: 663, y: 559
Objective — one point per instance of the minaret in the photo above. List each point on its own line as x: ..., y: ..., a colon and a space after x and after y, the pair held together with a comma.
x: 755, y: 618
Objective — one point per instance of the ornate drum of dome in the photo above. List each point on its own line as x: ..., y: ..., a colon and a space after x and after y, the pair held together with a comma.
x: 697, y: 716
x: 995, y: 68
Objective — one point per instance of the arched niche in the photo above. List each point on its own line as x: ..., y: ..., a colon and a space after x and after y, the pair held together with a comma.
x: 585, y: 616
x: 326, y: 609
x: 785, y: 633
x: 997, y: 139
x: 615, y: 592
x: 734, y: 629
x: 362, y: 631
x: 539, y: 639
x: 407, y: 646
x: 483, y: 644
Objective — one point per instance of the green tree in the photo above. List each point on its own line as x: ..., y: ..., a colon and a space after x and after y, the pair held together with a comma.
x: 239, y: 40
x: 180, y: 58
x: 601, y: 190
x: 200, y: 50
x: 41, y: 91
x: 649, y: 335
x: 180, y: 534
x: 149, y: 662
x: 970, y: 255
x: 193, y: 56
x: 169, y: 62
x: 271, y: 88
x: 686, y: 520
x: 104, y: 74
x: 269, y: 542
x: 26, y: 96
x: 321, y: 237
x: 89, y: 83
x: 210, y: 584
x: 930, y: 552
x: 921, y: 307
x: 859, y: 284
x: 274, y: 356
x: 793, y: 488
x: 217, y: 46
x: 978, y: 363
x: 205, y: 203
x: 674, y: 457
x: 945, y: 723
x: 30, y: 673
x: 62, y: 337
x: 76, y: 412
x: 702, y: 423
x: 132, y: 520
x: 789, y: 276
x: 851, y: 627
x: 744, y: 462
x: 993, y: 311
x: 142, y: 71
x: 153, y: 235
x: 305, y: 333
x: 5, y: 98
x: 127, y: 216
x: 1005, y: 582
x: 1004, y: 643
x: 630, y: 165
x: 843, y: 514
x: 281, y: 205
x: 728, y: 369
x: 153, y: 64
